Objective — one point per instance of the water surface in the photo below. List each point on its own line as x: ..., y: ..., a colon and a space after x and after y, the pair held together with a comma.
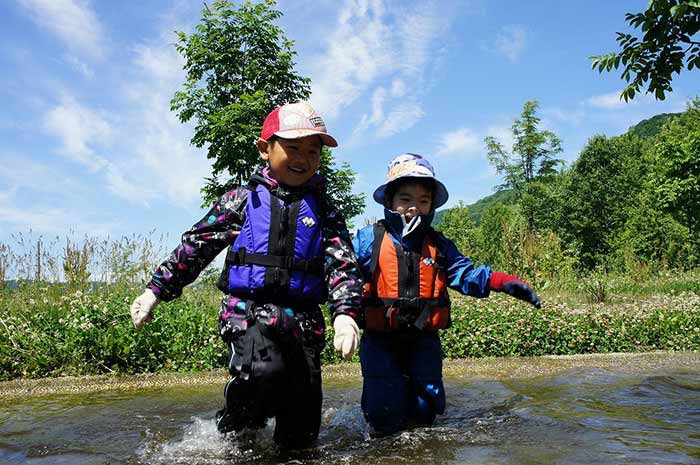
x: 619, y: 409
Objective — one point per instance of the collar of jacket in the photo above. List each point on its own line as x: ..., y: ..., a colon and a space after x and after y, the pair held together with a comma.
x: 315, y: 184
x: 413, y: 240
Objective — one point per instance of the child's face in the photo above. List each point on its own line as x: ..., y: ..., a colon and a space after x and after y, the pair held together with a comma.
x: 292, y: 161
x: 411, y: 200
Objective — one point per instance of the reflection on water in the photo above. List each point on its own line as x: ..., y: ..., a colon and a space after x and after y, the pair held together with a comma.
x: 579, y: 416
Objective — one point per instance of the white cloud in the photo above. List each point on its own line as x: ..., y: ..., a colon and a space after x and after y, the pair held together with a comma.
x: 398, y: 88
x: 22, y: 172
x: 356, y: 53
x: 510, y: 41
x: 575, y: 116
x: 611, y: 101
x: 459, y: 141
x: 417, y: 30
x: 80, y: 130
x: 469, y: 143
x: 72, y: 21
x: 145, y: 154
x: 378, y: 100
x: 381, y: 51
x: 401, y: 118
x: 160, y: 62
x: 80, y: 66
x: 159, y: 150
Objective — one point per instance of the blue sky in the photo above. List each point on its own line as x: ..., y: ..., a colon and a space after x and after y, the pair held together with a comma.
x: 88, y: 144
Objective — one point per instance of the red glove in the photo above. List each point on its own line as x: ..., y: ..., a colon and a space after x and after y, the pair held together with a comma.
x: 511, y: 285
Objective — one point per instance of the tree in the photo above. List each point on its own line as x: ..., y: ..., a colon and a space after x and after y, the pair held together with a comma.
x: 457, y: 224
x: 676, y: 172
x: 240, y: 66
x: 601, y: 185
x: 650, y: 237
x: 668, y: 45
x: 530, y: 162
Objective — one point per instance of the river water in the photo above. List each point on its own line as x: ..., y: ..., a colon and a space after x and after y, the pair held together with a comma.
x: 618, y: 409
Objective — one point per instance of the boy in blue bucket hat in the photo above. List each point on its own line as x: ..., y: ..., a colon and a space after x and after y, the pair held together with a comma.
x: 407, y: 267
x: 288, y: 251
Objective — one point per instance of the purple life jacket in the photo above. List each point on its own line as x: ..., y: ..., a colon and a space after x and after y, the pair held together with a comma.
x: 278, y: 255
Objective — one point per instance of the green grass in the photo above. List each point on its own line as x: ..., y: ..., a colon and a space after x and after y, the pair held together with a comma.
x: 49, y: 330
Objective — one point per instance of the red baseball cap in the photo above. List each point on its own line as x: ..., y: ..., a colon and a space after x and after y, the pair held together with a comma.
x: 296, y: 120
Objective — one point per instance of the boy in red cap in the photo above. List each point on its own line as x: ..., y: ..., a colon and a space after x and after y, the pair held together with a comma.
x: 408, y: 267
x: 289, y: 251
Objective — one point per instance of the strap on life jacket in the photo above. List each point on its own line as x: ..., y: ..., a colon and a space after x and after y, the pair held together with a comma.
x: 408, y: 308
x: 242, y: 257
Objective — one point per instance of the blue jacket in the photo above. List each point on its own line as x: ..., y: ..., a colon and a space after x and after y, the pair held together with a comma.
x: 462, y: 275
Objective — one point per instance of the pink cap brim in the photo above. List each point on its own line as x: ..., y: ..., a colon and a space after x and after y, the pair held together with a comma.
x: 326, y: 138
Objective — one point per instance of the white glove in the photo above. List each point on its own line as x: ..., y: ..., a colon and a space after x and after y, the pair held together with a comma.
x: 141, y: 308
x: 347, y: 334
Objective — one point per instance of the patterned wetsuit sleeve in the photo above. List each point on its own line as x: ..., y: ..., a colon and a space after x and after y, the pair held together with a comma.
x: 342, y: 272
x: 199, y: 246
x: 462, y: 275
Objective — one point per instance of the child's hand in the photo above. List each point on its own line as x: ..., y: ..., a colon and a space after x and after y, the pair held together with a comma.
x: 141, y: 308
x: 347, y: 334
x: 511, y: 285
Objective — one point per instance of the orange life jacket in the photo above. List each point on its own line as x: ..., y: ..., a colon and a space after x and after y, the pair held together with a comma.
x: 407, y: 288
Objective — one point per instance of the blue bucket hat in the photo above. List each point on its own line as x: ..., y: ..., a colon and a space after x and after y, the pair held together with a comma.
x: 411, y: 165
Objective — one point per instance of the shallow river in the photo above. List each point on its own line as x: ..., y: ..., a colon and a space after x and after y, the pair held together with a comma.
x: 614, y: 409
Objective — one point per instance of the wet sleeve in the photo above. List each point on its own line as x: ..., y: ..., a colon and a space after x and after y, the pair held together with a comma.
x: 198, y: 247
x: 462, y: 275
x: 342, y: 272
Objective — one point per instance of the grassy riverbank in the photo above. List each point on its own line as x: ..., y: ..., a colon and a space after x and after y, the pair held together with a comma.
x: 49, y: 330
x: 341, y: 374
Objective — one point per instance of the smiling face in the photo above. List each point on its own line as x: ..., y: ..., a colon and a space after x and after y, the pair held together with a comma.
x: 411, y: 199
x: 292, y: 161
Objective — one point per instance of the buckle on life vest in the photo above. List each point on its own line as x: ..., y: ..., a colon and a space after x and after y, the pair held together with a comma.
x: 394, y: 316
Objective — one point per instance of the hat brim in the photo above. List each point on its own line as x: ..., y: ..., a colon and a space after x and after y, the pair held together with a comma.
x: 440, y: 195
x: 326, y: 138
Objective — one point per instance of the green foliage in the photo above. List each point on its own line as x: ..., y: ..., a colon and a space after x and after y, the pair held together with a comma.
x: 530, y: 162
x: 676, y: 173
x: 457, y: 225
x: 649, y: 128
x: 504, y: 241
x: 494, y: 222
x: 499, y: 326
x: 669, y: 43
x: 4, y: 263
x: 75, y: 263
x: 239, y: 68
x: 650, y: 237
x: 477, y: 209
x: 600, y: 185
x: 49, y: 330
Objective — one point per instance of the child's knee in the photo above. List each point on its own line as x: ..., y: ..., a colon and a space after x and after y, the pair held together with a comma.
x: 430, y: 401
x: 384, y: 403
